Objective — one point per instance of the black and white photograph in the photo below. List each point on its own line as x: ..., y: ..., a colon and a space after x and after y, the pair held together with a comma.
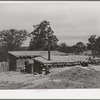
x: 49, y: 45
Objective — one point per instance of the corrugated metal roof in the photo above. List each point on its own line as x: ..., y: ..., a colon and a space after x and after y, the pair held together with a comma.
x: 34, y: 53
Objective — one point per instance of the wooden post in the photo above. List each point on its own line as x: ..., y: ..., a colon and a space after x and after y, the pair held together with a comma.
x: 49, y: 58
x: 32, y: 68
x: 46, y: 69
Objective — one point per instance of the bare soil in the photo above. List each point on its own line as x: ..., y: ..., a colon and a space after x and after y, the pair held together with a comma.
x: 59, y: 78
x: 76, y: 77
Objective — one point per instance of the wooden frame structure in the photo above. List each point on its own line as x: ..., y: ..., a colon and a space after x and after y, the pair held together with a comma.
x: 15, y: 55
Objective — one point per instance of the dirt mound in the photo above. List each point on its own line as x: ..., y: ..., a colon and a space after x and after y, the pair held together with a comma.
x: 76, y: 77
x: 77, y: 73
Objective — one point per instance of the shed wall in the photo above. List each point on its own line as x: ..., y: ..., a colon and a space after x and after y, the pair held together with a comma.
x: 12, y: 63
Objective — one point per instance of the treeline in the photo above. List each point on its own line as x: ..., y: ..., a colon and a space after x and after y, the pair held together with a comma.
x: 41, y: 36
x: 93, y: 45
x: 11, y: 40
x: 78, y: 48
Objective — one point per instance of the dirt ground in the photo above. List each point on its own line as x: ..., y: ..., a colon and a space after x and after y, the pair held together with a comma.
x: 59, y: 78
x: 18, y: 80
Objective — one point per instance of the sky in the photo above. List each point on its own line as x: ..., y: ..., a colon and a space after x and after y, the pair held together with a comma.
x: 71, y: 22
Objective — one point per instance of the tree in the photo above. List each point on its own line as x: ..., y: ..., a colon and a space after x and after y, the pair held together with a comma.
x: 81, y: 47
x: 97, y: 46
x: 11, y: 40
x: 92, y: 41
x: 40, y: 36
x: 3, y: 52
x: 78, y: 48
x: 63, y: 47
x: 89, y: 47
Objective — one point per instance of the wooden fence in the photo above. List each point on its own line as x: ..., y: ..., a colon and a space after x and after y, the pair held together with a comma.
x: 4, y: 66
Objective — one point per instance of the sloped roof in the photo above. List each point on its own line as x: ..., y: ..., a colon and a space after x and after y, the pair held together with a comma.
x: 34, y: 53
x: 58, y: 59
